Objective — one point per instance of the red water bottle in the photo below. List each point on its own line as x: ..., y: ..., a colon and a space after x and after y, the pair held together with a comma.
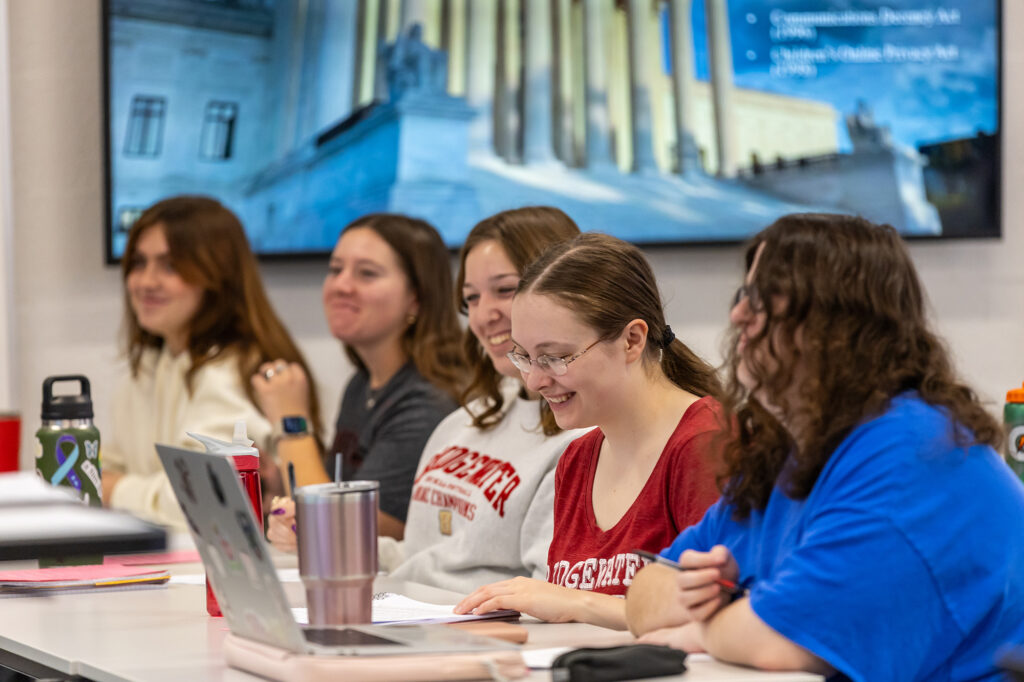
x: 247, y: 463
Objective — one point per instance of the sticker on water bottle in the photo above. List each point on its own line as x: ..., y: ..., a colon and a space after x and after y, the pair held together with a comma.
x: 90, y: 470
x: 1015, y: 443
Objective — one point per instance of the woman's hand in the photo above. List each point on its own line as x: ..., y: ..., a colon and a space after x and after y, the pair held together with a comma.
x: 689, y: 638
x: 537, y: 598
x: 281, y: 525
x: 697, y: 592
x: 282, y: 390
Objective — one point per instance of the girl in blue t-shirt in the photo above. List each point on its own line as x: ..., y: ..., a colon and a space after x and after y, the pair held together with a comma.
x: 874, y: 527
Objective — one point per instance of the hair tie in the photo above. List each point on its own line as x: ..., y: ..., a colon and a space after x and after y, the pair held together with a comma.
x: 667, y: 337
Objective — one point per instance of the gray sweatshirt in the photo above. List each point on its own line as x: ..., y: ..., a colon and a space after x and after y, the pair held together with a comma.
x: 481, y: 507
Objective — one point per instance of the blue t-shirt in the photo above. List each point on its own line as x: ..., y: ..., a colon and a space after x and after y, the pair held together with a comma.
x: 906, y: 561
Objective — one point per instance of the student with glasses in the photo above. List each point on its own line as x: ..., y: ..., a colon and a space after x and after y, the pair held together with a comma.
x: 590, y: 337
x: 481, y: 501
x: 878, y: 532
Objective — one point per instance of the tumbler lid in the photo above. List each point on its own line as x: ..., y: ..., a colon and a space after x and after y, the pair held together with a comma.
x: 327, y: 491
x: 66, y: 406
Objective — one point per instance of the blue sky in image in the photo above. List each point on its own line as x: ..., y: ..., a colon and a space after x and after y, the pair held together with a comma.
x: 920, y: 102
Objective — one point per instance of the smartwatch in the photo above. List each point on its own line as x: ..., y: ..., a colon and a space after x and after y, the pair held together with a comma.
x: 294, y: 427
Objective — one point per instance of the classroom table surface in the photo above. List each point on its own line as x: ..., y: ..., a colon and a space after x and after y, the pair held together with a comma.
x: 163, y: 634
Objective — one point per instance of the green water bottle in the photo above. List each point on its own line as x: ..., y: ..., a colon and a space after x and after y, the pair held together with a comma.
x: 68, y: 449
x: 69, y: 443
x: 1013, y: 417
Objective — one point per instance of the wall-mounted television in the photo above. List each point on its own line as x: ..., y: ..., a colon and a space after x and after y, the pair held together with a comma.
x: 659, y: 121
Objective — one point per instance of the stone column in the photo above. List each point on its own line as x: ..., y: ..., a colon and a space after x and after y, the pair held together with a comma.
x: 480, y: 72
x: 456, y: 18
x: 338, y: 63
x: 720, y: 59
x: 598, y: 131
x: 639, y: 76
x: 537, y: 56
x: 508, y: 67
x: 681, y: 36
x: 599, y: 150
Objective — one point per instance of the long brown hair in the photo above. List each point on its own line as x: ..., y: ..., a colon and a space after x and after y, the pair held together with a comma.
x: 208, y: 249
x: 845, y: 332
x: 432, y: 340
x: 524, y: 234
x: 608, y: 283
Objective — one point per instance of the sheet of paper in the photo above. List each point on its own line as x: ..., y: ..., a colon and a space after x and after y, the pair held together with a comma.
x: 189, y: 579
x: 73, y: 573
x: 541, y: 659
x: 25, y: 487
x: 288, y: 575
x: 395, y: 608
x: 187, y: 556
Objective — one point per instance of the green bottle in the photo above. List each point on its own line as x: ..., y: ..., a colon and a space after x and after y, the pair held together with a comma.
x: 1013, y: 418
x: 68, y: 449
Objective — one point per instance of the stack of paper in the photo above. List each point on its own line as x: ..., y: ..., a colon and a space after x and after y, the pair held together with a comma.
x: 396, y: 608
x: 65, y: 579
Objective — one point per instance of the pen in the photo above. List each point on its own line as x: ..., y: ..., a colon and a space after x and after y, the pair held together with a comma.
x: 291, y: 479
x: 728, y: 586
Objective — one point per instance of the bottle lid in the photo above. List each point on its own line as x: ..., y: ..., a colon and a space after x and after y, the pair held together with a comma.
x: 240, y: 448
x: 56, y: 407
x: 1015, y: 395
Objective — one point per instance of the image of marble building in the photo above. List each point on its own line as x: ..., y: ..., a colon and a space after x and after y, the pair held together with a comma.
x: 304, y: 114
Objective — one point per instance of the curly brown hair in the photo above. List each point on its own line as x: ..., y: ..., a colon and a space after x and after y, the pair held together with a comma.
x: 524, y: 234
x: 845, y: 331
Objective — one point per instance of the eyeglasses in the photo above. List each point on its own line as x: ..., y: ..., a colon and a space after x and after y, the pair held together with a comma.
x: 551, y: 364
x: 749, y: 293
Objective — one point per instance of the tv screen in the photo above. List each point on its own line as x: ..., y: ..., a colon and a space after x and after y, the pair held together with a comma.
x: 681, y: 121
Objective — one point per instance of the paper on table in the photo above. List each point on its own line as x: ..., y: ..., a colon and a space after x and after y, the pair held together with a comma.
x: 186, y: 556
x: 24, y: 488
x: 395, y: 608
x: 77, y: 578
x: 88, y: 574
x: 541, y: 659
x: 285, y: 575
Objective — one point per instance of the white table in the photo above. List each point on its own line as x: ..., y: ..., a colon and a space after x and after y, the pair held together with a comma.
x: 164, y: 634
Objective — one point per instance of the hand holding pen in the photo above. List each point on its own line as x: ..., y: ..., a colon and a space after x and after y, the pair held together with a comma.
x: 728, y: 586
x: 704, y: 583
x: 281, y: 525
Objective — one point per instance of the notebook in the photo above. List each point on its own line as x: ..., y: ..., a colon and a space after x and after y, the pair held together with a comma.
x: 237, y: 561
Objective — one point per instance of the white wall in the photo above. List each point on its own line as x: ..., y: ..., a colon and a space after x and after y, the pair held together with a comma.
x: 67, y: 304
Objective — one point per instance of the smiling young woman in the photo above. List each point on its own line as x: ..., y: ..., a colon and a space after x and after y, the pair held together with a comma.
x: 197, y: 324
x: 590, y: 337
x: 387, y: 297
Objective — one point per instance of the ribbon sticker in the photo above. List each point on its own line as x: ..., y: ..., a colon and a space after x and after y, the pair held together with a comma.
x: 67, y: 462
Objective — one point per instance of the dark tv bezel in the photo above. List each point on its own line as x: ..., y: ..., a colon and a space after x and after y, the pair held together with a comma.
x: 307, y: 256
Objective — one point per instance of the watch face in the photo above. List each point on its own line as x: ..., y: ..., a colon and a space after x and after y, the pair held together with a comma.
x: 294, y: 425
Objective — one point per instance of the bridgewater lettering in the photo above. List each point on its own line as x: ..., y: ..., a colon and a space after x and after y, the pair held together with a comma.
x: 595, y: 573
x: 495, y: 477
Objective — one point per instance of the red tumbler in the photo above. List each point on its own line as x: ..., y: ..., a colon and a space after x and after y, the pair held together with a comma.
x: 248, y: 467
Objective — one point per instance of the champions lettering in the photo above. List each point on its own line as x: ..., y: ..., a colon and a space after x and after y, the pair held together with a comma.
x: 459, y: 505
x: 496, y: 478
x: 595, y: 573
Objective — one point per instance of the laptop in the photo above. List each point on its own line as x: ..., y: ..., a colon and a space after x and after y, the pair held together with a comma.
x: 237, y: 561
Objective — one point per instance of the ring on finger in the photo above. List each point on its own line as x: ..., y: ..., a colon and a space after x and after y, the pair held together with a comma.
x: 268, y: 373
x: 280, y: 367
